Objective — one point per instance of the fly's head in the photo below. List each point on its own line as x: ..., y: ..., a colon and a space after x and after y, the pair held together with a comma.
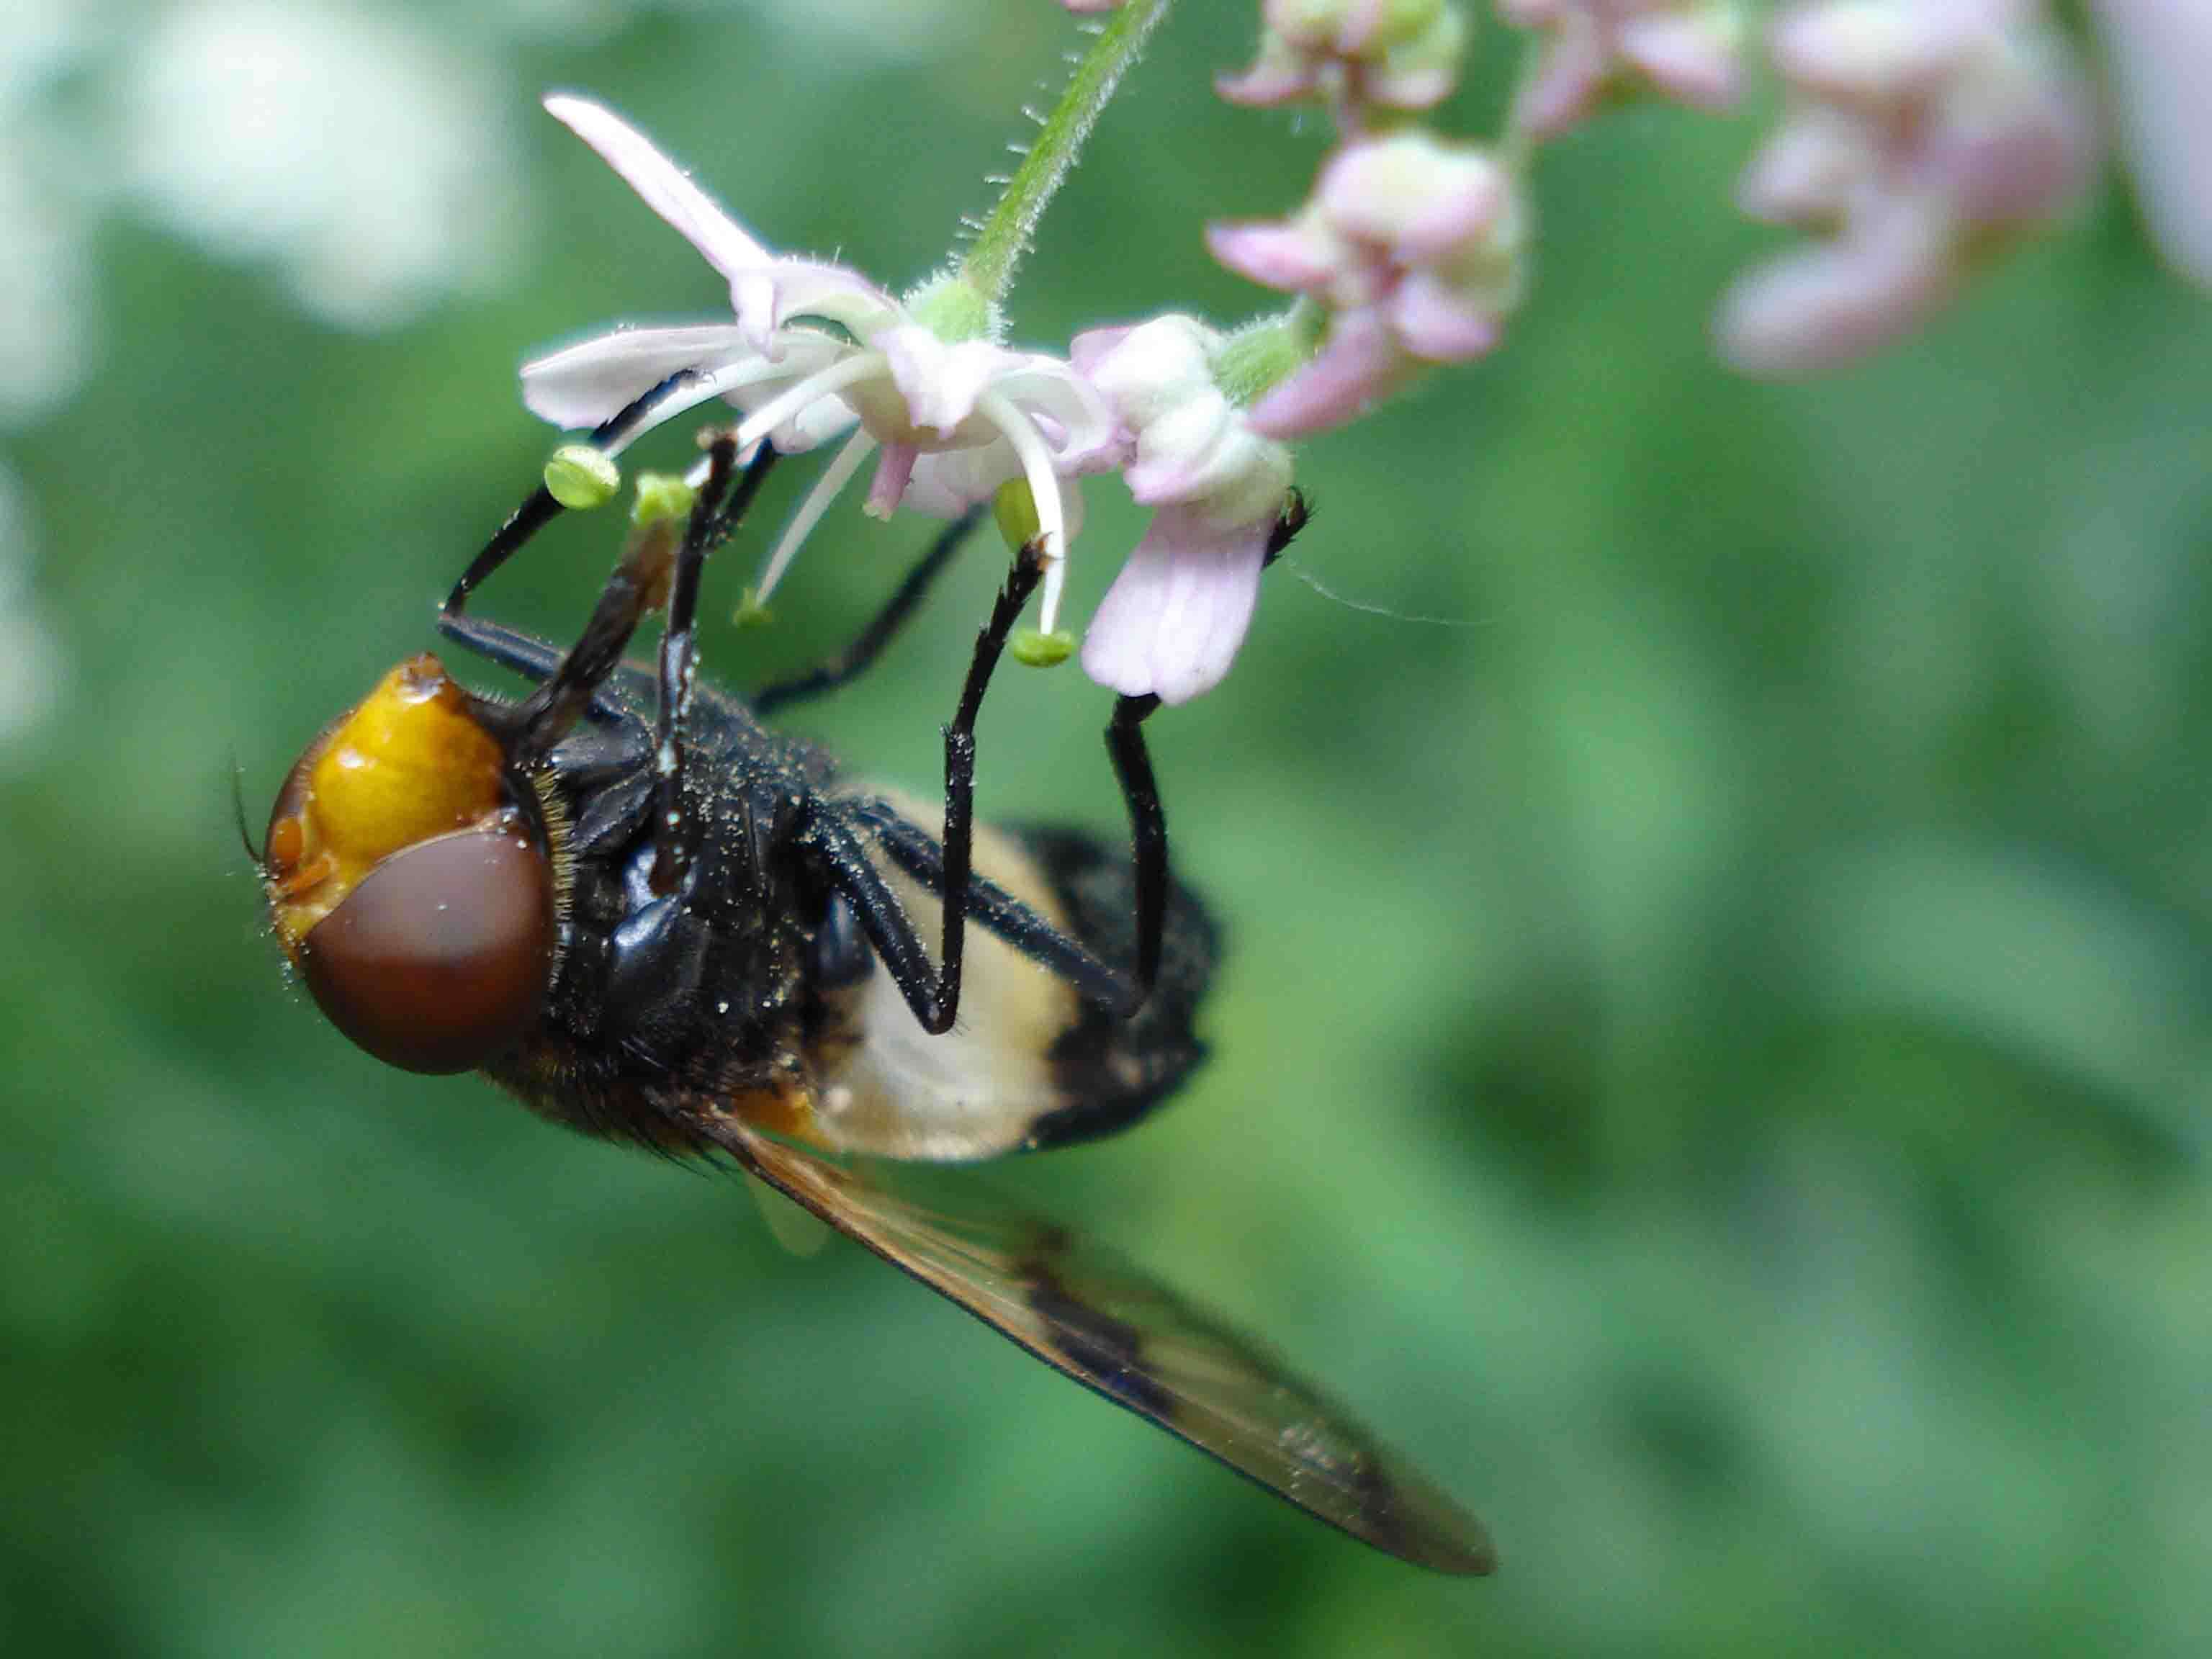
x: 411, y: 875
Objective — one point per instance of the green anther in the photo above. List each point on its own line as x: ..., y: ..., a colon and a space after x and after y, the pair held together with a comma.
x: 1015, y: 509
x: 661, y: 495
x: 582, y: 477
x: 1035, y: 650
x: 751, y: 612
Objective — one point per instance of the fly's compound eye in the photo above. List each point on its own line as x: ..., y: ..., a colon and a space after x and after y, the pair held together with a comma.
x: 418, y: 902
x: 438, y: 960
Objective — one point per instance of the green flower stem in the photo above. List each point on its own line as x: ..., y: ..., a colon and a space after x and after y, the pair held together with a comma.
x: 988, y: 268
x: 1263, y: 354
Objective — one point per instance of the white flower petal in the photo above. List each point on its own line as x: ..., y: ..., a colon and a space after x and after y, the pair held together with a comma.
x: 1146, y: 371
x: 588, y: 382
x: 1171, y: 624
x: 665, y: 187
x: 767, y: 297
x: 946, y: 483
x: 1049, y: 389
x: 2161, y: 57
x: 938, y: 383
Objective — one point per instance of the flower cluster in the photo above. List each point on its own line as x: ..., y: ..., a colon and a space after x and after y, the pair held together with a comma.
x: 1173, y: 620
x: 1413, y: 245
x: 948, y: 412
x: 1920, y: 134
x: 1921, y: 137
x: 1400, y: 54
x: 1685, y: 50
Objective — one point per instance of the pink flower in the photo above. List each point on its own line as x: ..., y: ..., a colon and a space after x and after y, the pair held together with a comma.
x: 1172, y: 622
x: 1402, y: 54
x: 1413, y: 246
x: 950, y: 419
x: 1685, y: 50
x: 1922, y: 136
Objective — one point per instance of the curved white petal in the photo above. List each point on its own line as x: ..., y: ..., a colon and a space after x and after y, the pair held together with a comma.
x: 769, y: 295
x: 1049, y: 388
x: 1171, y: 624
x: 586, y: 383
x: 665, y: 187
x: 2161, y: 57
x: 938, y: 383
x: 1144, y: 371
x: 946, y: 483
x: 949, y: 481
x: 1185, y: 452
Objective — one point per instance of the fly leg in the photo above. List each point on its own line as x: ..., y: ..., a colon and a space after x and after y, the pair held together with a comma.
x: 932, y: 993
x: 531, y: 727
x: 855, y: 659
x: 1140, y: 792
x: 675, y: 836
x: 539, y: 510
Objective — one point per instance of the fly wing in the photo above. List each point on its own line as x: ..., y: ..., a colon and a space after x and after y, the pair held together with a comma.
x: 1090, y: 1315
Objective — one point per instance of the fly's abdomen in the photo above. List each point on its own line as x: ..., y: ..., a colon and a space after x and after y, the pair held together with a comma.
x: 1111, y: 1071
x: 1031, y: 1061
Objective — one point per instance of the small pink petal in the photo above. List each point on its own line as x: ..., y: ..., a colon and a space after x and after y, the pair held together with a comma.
x: 1288, y: 255
x: 1818, y: 307
x: 1411, y: 195
x: 1076, y: 422
x: 1088, y: 349
x: 1565, y: 84
x: 1361, y: 364
x: 1805, y: 173
x: 1361, y: 18
x: 586, y: 383
x: 1188, y: 452
x: 1877, y: 53
x: 1171, y: 624
x: 1424, y: 87
x: 939, y: 382
x: 1439, y: 325
x: 893, y: 473
x: 1273, y: 78
x: 665, y: 187
x: 1684, y: 55
x: 2022, y: 165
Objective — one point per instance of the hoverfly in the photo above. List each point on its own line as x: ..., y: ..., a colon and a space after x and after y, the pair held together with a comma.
x: 654, y: 920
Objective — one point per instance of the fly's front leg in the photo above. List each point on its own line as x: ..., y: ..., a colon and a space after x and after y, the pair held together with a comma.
x: 539, y: 508
x: 675, y: 836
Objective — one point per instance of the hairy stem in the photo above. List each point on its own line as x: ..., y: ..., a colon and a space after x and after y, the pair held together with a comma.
x: 988, y: 268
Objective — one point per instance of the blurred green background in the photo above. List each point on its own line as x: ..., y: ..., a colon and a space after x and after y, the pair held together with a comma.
x: 1713, y: 1055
